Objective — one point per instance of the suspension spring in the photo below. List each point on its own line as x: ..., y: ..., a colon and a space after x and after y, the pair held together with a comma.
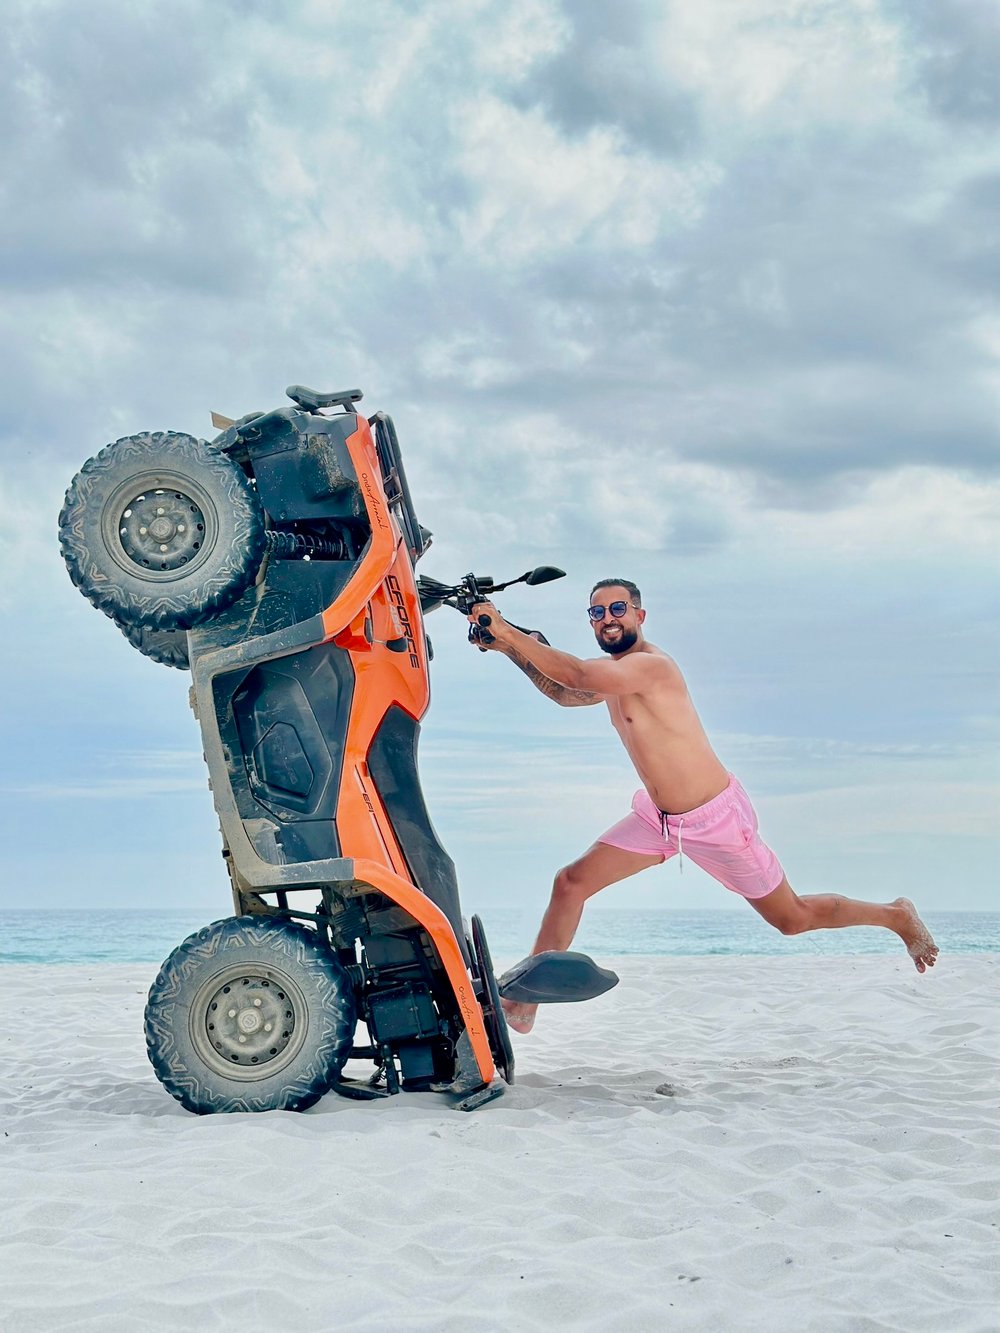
x: 300, y: 545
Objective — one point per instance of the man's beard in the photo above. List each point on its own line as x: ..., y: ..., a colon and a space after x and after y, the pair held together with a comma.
x: 628, y: 639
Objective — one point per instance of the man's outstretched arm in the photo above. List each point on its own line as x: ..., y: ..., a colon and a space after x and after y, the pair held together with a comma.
x: 560, y: 694
x: 632, y: 674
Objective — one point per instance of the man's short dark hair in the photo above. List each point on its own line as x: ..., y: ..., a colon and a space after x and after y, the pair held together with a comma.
x: 627, y: 584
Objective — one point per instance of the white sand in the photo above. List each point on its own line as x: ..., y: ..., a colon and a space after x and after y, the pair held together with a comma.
x: 719, y: 1144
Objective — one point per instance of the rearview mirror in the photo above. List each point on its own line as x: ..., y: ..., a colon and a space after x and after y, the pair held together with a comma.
x: 544, y: 574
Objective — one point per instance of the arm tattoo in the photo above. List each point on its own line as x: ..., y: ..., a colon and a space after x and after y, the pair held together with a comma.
x: 560, y: 694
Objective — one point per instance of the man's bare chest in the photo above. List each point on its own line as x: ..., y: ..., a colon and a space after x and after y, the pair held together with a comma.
x: 628, y: 713
x: 639, y: 721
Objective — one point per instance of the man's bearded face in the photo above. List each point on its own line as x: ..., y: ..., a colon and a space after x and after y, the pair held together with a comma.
x: 615, y: 634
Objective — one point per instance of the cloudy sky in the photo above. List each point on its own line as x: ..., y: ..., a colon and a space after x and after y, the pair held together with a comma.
x: 703, y: 293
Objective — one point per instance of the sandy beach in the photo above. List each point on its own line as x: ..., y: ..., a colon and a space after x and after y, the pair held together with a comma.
x: 717, y: 1144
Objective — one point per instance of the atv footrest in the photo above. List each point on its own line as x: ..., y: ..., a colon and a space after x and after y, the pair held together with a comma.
x: 481, y: 1096
x: 357, y: 1090
x: 555, y: 977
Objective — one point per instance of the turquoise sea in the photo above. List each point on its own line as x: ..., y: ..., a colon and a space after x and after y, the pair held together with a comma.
x: 134, y: 936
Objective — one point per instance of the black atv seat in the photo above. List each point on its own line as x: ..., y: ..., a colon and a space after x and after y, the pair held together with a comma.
x: 313, y: 399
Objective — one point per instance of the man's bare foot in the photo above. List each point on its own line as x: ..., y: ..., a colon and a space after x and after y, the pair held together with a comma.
x: 520, y: 1017
x: 915, y: 935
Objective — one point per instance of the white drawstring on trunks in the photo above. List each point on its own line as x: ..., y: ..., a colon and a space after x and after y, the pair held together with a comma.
x: 665, y: 834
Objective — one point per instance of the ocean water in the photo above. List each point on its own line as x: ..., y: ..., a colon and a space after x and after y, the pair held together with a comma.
x: 134, y: 936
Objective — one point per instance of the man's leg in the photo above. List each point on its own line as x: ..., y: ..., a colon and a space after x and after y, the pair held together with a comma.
x: 792, y: 915
x: 574, y: 884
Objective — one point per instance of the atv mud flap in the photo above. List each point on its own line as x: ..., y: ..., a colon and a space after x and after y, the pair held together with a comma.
x: 555, y: 977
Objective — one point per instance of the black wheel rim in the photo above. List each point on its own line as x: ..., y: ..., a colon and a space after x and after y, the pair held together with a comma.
x: 159, y: 527
x: 248, y: 1021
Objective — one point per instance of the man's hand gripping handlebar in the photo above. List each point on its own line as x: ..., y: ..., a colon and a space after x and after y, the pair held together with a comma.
x: 479, y: 619
x: 483, y: 615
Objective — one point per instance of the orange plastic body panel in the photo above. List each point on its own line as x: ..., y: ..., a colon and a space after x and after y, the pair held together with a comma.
x: 385, y: 540
x: 381, y: 604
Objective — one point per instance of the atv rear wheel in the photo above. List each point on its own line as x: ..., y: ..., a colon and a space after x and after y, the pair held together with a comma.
x: 169, y: 647
x: 161, y: 530
x: 250, y: 1014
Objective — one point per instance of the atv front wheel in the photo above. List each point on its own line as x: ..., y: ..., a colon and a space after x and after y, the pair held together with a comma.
x: 250, y: 1014
x: 161, y: 530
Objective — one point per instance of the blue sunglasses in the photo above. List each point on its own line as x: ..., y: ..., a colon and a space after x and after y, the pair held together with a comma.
x: 617, y: 609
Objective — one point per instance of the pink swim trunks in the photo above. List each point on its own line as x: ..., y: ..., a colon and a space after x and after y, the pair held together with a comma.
x: 720, y: 836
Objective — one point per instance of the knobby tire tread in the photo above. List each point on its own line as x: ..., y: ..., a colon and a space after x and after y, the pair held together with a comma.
x: 158, y: 605
x: 187, y: 969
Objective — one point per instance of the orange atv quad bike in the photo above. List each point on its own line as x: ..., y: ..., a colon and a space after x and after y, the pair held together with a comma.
x: 277, y: 564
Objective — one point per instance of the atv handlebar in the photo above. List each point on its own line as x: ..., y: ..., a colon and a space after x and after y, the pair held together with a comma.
x: 475, y: 588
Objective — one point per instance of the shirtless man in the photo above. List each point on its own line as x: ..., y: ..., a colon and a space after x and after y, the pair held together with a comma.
x: 688, y: 804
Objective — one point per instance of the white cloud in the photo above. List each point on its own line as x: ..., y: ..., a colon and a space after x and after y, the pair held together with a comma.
x: 511, y: 39
x: 949, y: 811
x: 539, y: 192
x: 923, y: 510
x: 754, y: 61
x: 30, y: 569
x: 122, y: 776
x: 115, y: 790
